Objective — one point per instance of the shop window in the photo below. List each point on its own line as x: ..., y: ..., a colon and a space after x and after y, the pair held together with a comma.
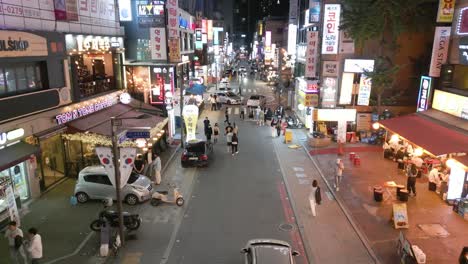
x: 20, y: 78
x: 95, y: 73
x: 16, y: 176
x: 52, y: 161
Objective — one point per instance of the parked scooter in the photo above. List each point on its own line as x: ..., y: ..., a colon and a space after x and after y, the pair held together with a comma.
x: 160, y: 197
x: 294, y: 122
x: 131, y: 221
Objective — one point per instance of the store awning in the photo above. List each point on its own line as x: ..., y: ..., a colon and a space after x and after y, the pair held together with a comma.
x: 99, y: 123
x: 14, y: 154
x: 429, y: 135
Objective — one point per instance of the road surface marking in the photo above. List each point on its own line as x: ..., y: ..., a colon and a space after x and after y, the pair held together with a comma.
x: 304, y: 182
x: 77, y: 250
x: 301, y: 175
x: 329, y: 195
x: 298, y: 169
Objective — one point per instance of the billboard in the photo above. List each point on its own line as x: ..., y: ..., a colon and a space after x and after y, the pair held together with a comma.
x: 331, y: 22
x: 439, y: 50
x: 446, y: 10
x: 151, y: 15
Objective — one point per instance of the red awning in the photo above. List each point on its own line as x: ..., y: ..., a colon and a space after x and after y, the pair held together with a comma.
x: 429, y: 135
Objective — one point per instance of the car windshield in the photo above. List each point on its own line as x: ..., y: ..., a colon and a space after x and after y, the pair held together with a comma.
x: 230, y: 94
x: 254, y: 97
x: 267, y: 254
x: 198, y: 147
x: 133, y: 178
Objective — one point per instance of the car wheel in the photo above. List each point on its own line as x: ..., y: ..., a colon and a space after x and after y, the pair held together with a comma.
x: 82, y: 197
x: 134, y: 225
x: 131, y: 199
x: 95, y: 225
x: 180, y: 201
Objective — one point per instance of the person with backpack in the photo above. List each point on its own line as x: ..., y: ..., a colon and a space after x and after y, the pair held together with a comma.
x: 15, y: 240
x: 315, y: 197
x: 412, y: 173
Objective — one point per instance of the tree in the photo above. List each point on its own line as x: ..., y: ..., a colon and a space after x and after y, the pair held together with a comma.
x: 384, y: 21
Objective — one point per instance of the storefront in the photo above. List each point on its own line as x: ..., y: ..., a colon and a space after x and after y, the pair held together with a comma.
x: 306, y: 99
x: 96, y: 64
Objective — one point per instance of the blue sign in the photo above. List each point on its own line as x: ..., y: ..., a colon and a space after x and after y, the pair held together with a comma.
x: 314, y: 12
x: 137, y: 134
x: 183, y: 23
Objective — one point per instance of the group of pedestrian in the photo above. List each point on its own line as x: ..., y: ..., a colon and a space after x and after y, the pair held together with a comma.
x: 232, y: 140
x: 23, y: 250
x: 152, y: 170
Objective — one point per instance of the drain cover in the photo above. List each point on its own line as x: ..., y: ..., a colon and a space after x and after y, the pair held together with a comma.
x: 286, y: 227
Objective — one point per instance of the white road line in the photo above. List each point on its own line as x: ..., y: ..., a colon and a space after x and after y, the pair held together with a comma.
x: 230, y: 110
x: 77, y: 250
x: 236, y: 111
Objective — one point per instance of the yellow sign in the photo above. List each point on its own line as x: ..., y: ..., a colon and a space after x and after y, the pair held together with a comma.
x: 400, y: 216
x: 450, y: 103
x: 311, y: 100
x: 190, y: 113
x: 174, y: 50
x: 446, y: 9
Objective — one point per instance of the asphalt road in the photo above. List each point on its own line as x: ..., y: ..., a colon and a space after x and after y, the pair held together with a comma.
x: 235, y: 199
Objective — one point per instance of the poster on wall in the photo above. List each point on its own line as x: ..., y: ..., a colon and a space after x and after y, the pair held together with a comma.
x: 329, y: 91
x: 424, y: 93
x: 439, y: 50
x: 365, y: 85
x: 330, y: 28
x: 445, y: 12
x: 311, y: 54
x: 174, y: 50
x: 66, y: 10
x: 330, y: 69
x: 158, y: 43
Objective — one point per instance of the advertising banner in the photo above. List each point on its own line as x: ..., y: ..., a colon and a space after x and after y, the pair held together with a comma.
x: 330, y: 69
x: 365, y: 85
x: 331, y: 22
x: 127, y: 158
x: 445, y: 12
x: 439, y: 50
x: 106, y: 158
x: 314, y: 11
x: 346, y: 88
x: 172, y: 18
x: 12, y: 207
x: 66, y: 10
x: 190, y: 113
x: 424, y: 93
x: 311, y: 54
x: 329, y: 91
x: 158, y: 43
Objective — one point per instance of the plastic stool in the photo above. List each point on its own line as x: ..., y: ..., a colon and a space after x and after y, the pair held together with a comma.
x: 378, y: 193
x: 352, y: 155
x: 357, y: 161
x: 403, y: 195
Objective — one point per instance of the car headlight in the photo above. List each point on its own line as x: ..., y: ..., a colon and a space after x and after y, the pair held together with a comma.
x: 139, y: 188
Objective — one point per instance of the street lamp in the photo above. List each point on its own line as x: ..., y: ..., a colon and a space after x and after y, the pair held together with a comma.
x: 115, y: 124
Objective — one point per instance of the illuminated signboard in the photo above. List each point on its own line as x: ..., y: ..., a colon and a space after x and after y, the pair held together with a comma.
x: 151, y: 15
x: 125, y: 10
x: 12, y: 135
x: 331, y: 22
x: 424, y: 93
x: 268, y: 38
x: 162, y: 81
x: 85, y: 110
x: 450, y: 103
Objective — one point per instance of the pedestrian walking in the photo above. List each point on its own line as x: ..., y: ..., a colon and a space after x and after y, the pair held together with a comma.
x: 139, y: 164
x: 34, y: 247
x: 339, y: 167
x: 261, y: 120
x: 235, y: 128
x: 216, y: 102
x: 242, y: 113
x: 15, y: 241
x: 273, y: 126
x: 155, y: 169
x: 206, y: 123
x: 257, y: 113
x: 315, y: 197
x: 208, y: 133
x: 213, y: 103
x: 215, y: 133
x: 278, y: 128
x: 234, y: 144
x: 226, y: 114
x: 284, y: 125
x: 412, y: 173
x: 229, y: 136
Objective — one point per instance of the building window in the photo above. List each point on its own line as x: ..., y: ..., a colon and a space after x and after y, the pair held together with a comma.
x: 20, y: 78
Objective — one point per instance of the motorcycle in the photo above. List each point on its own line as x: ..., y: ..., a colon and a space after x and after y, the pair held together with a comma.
x: 294, y: 122
x: 160, y: 197
x: 130, y: 221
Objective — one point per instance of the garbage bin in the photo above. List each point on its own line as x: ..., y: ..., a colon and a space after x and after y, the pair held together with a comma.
x: 403, y: 195
x: 398, y: 190
x: 378, y: 193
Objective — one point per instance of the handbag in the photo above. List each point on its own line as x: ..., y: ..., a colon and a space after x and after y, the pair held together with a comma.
x: 234, y: 143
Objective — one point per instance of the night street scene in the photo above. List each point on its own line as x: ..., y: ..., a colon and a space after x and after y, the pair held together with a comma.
x: 233, y: 131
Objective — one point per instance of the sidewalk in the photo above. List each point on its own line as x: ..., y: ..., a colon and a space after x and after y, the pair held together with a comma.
x: 434, y: 227
x: 64, y: 228
x: 328, y: 237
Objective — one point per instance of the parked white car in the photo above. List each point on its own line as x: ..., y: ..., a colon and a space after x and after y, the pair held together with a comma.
x: 228, y: 97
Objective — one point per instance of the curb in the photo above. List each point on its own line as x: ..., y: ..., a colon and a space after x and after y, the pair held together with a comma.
x: 361, y: 236
x: 305, y: 242
x: 170, y: 160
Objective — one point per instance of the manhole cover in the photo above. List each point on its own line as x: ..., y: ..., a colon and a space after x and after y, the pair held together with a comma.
x: 286, y: 227
x: 434, y: 230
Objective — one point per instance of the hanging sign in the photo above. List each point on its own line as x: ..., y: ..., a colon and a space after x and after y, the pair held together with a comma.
x: 158, y: 43
x: 314, y: 11
x: 311, y: 54
x: 424, y: 93
x: 190, y: 113
x: 174, y: 50
x: 172, y: 18
x: 127, y: 158
x: 445, y: 12
x: 365, y: 85
x: 106, y: 158
x: 439, y: 50
x: 330, y: 29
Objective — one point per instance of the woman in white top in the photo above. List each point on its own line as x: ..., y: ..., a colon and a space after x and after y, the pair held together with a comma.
x: 314, y: 197
x: 35, y: 246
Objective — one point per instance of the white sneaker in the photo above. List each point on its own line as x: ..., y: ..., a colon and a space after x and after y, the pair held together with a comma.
x: 237, y: 152
x: 337, y: 188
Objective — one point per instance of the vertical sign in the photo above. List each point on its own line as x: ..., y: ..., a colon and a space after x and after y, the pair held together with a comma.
x: 173, y: 30
x: 311, y: 54
x: 330, y: 29
x: 209, y: 28
x: 328, y: 92
x: 267, y: 38
x: 190, y: 114
x: 293, y: 12
x: 127, y: 158
x: 158, y: 44
x: 424, y: 93
x: 445, y: 12
x: 365, y: 85
x: 12, y: 208
x: 439, y: 50
x: 346, y: 43
x: 314, y: 11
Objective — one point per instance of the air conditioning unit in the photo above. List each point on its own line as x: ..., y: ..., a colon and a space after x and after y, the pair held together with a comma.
x: 65, y: 95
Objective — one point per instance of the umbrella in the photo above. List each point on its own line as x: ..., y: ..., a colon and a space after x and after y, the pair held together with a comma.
x: 198, y: 89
